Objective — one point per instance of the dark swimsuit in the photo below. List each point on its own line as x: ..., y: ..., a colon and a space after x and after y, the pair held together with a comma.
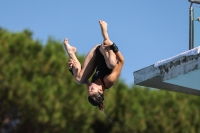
x: 101, y: 68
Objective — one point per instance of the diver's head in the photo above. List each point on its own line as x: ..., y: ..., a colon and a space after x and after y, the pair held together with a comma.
x: 95, y: 95
x: 94, y: 88
x: 97, y: 100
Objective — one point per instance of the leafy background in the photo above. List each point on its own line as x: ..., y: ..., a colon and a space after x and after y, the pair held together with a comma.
x: 38, y: 95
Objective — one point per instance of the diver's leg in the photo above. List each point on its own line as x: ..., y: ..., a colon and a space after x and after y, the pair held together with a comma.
x: 81, y: 73
x: 76, y: 67
x: 104, y: 28
x: 88, y: 66
x: 108, y: 54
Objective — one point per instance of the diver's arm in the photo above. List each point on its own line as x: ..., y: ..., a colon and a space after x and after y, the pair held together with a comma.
x: 111, y: 78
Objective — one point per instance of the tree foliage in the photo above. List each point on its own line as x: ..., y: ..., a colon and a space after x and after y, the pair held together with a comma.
x: 39, y: 95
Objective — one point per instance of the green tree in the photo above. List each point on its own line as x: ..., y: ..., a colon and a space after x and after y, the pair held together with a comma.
x: 39, y: 95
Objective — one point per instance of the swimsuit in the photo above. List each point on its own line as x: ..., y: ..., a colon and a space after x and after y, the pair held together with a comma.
x: 101, y: 68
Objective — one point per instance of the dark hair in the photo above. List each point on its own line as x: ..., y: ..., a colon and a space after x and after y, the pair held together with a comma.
x: 97, y: 100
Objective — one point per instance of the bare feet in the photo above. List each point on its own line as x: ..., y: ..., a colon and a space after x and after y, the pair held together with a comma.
x: 104, y: 26
x: 70, y: 49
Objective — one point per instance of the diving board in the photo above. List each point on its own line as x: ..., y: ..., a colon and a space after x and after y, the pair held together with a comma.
x: 180, y: 73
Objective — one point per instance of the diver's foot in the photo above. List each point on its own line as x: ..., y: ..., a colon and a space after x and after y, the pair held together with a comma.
x: 104, y: 26
x: 70, y: 49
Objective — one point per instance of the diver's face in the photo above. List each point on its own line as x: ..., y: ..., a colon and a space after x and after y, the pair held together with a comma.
x: 93, y: 88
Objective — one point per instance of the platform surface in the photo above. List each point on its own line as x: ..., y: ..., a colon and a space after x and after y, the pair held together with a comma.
x: 180, y: 73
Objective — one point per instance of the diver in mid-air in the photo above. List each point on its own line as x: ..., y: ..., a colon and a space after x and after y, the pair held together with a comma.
x: 105, y: 59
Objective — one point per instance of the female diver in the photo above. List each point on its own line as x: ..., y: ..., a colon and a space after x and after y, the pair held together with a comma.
x: 105, y: 58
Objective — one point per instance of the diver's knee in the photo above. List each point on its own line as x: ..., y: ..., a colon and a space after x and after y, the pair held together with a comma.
x: 112, y: 65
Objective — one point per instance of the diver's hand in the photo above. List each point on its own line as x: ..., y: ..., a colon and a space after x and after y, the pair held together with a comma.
x: 107, y: 43
x: 71, y: 63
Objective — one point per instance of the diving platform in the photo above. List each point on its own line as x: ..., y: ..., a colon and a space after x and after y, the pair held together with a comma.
x: 180, y: 73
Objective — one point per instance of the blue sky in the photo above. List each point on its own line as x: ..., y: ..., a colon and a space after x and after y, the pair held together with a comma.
x: 145, y: 31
